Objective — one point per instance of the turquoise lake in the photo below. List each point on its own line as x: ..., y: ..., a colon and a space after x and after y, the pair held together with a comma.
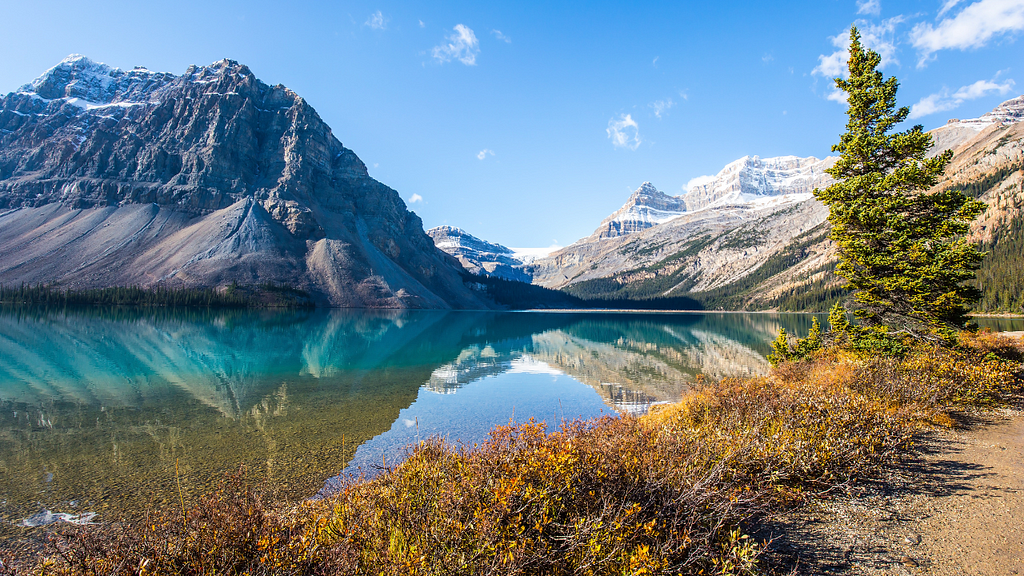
x: 110, y: 411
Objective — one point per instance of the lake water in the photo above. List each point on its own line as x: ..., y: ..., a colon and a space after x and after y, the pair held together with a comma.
x: 111, y: 411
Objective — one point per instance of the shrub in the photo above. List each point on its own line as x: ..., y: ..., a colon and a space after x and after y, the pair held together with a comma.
x: 669, y: 492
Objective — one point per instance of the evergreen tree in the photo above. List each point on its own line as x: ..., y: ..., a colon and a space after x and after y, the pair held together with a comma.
x: 901, y: 248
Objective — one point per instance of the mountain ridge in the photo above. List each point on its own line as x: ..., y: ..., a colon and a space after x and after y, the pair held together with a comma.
x: 244, y: 182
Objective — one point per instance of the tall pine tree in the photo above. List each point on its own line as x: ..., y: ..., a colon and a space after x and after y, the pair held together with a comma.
x: 901, y: 247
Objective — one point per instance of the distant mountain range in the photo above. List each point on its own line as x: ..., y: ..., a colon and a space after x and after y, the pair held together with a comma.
x: 216, y: 179
x: 211, y: 178
x: 753, y: 236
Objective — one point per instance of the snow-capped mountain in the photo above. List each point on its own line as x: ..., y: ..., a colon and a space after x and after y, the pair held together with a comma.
x: 958, y: 132
x: 753, y: 235
x: 481, y: 257
x: 90, y: 85
x: 749, y: 182
x: 647, y: 207
x: 761, y: 182
x: 118, y: 178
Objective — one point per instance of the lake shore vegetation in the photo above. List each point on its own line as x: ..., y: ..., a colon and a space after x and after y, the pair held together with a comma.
x: 265, y: 295
x: 674, y: 491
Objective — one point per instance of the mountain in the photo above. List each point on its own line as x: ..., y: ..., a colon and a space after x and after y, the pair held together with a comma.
x: 762, y: 183
x: 753, y: 236
x: 958, y: 132
x: 647, y: 207
x: 752, y: 211
x: 113, y: 178
x: 481, y: 257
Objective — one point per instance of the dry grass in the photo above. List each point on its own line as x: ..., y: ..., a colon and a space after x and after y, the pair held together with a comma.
x: 666, y: 493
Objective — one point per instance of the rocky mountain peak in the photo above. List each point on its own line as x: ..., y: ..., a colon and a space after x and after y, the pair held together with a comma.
x: 957, y: 132
x: 479, y: 256
x: 248, y: 182
x: 646, y: 207
x: 78, y: 77
x: 757, y: 180
x: 1008, y: 112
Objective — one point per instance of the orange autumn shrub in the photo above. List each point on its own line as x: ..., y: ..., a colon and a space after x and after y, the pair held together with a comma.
x: 665, y: 493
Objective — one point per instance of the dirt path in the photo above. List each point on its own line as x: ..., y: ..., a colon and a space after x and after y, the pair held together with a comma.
x: 956, y: 508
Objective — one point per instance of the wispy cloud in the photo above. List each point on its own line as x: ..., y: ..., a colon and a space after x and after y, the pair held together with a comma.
x: 698, y: 181
x: 483, y: 153
x: 655, y: 61
x: 942, y: 101
x: 462, y: 46
x: 422, y: 24
x: 878, y: 37
x: 661, y: 106
x: 947, y: 6
x: 624, y: 132
x: 766, y: 58
x: 377, y: 21
x: 415, y: 198
x: 972, y: 27
x: 500, y: 36
x: 872, y: 7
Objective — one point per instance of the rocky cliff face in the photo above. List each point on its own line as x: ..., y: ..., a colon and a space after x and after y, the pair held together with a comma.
x: 752, y: 180
x: 111, y: 177
x: 479, y: 256
x: 647, y: 207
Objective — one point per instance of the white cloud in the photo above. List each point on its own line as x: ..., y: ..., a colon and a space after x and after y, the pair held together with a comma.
x: 422, y: 25
x: 377, y: 21
x: 872, y: 7
x: 624, y: 132
x: 767, y: 58
x: 661, y: 106
x: 949, y: 4
x: 500, y: 36
x: 698, y: 181
x: 655, y: 61
x: 942, y: 101
x: 483, y: 154
x: 415, y: 198
x: 878, y: 37
x: 973, y: 27
x: 836, y: 95
x: 462, y: 46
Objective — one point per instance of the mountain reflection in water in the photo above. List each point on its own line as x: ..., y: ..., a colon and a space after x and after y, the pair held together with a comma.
x: 99, y: 408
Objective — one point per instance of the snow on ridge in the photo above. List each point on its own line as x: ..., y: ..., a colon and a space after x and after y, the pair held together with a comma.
x: 1008, y: 112
x: 528, y: 255
x: 646, y: 215
x: 751, y: 177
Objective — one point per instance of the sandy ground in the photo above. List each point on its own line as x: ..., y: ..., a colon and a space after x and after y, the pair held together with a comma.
x: 955, y: 508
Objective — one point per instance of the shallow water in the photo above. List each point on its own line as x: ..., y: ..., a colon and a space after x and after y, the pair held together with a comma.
x: 110, y: 411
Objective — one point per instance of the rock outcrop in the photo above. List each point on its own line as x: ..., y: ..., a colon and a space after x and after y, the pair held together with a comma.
x: 111, y: 177
x: 479, y: 256
x: 753, y: 181
x: 647, y: 207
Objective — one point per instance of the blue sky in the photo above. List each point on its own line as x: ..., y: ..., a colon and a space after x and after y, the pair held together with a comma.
x: 526, y: 123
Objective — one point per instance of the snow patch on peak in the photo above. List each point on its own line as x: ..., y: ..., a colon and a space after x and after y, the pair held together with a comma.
x: 745, y: 180
x: 646, y: 207
x: 481, y: 257
x: 79, y: 79
x: 956, y: 132
x: 529, y: 255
